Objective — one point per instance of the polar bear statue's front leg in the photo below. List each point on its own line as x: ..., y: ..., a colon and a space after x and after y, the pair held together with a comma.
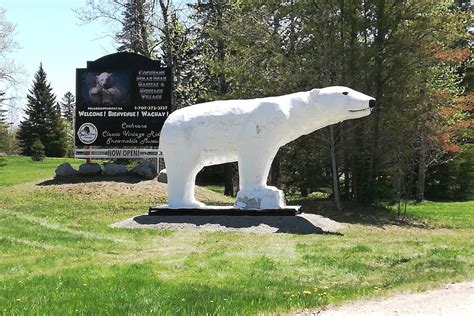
x: 254, y: 166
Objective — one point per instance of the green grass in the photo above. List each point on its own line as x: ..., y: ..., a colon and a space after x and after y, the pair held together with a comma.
x: 59, y: 256
x: 444, y: 214
x: 21, y: 169
x: 215, y: 188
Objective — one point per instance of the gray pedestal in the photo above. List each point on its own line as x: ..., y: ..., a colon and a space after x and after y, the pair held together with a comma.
x: 164, y: 210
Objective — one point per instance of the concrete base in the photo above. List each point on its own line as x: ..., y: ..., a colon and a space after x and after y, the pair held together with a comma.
x: 164, y: 210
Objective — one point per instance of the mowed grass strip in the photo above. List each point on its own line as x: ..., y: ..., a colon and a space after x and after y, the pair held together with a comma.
x: 58, y: 255
x: 444, y: 214
x: 20, y: 169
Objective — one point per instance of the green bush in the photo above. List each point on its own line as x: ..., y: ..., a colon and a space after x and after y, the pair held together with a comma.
x: 37, y: 151
x: 453, y: 180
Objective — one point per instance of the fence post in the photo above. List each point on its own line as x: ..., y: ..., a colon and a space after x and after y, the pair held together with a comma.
x: 88, y: 160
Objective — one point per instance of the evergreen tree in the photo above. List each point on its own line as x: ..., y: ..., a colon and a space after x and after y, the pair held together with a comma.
x: 68, y: 106
x: 43, y: 119
x: 213, y: 19
x: 178, y: 51
x: 3, y: 131
x: 37, y: 151
x: 136, y: 28
x: 3, y: 138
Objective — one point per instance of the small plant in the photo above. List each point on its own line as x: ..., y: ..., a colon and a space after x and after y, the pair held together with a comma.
x: 37, y: 151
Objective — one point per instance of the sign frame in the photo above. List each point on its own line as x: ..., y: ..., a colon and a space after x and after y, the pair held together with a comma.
x: 122, y: 100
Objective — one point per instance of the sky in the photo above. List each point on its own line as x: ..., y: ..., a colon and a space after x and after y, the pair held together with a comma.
x: 48, y: 31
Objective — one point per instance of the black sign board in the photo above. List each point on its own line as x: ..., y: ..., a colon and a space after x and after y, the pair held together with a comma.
x: 122, y: 99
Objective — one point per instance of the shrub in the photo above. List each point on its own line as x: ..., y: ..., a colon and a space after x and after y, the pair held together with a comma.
x: 37, y: 151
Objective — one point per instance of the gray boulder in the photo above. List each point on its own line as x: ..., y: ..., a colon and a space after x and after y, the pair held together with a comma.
x: 65, y: 170
x: 114, y: 169
x: 162, y: 176
x: 146, y: 169
x: 90, y: 169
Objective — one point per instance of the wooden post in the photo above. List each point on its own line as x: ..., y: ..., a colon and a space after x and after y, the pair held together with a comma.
x: 335, y: 176
x: 89, y: 160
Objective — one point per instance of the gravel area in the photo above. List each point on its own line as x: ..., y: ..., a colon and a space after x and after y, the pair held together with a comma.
x: 299, y: 224
x: 452, y: 299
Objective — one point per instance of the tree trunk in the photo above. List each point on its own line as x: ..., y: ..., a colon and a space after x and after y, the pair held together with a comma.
x: 168, y: 47
x: 229, y: 173
x: 275, y: 171
x: 420, y: 183
x: 304, y: 191
x: 345, y: 148
x: 372, y: 191
x: 229, y: 179
x: 397, y: 181
x: 145, y: 48
x: 335, y: 178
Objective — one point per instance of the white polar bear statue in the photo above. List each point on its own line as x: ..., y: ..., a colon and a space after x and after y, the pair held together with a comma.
x: 250, y: 132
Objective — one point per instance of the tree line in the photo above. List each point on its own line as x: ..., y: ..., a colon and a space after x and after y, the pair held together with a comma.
x: 414, y: 57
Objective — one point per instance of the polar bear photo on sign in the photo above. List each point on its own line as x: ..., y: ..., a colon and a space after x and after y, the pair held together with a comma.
x: 104, y: 91
x: 249, y: 132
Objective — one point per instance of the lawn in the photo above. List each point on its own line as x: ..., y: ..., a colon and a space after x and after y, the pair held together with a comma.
x: 444, y: 214
x: 21, y: 169
x: 58, y: 256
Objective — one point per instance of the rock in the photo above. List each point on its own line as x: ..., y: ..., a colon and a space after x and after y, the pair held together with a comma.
x: 65, y: 170
x: 162, y: 176
x: 146, y: 169
x: 114, y: 169
x: 90, y: 169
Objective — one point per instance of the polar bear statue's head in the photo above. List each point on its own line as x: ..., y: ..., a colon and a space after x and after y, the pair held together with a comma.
x: 342, y: 103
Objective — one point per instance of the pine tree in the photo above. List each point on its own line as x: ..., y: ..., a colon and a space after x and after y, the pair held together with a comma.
x: 3, y: 131
x: 37, y: 151
x: 68, y: 106
x: 213, y: 44
x: 3, y: 136
x: 136, y: 32
x: 43, y: 119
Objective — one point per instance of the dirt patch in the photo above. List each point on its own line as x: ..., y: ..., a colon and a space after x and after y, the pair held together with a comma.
x: 100, y: 189
x: 107, y: 187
